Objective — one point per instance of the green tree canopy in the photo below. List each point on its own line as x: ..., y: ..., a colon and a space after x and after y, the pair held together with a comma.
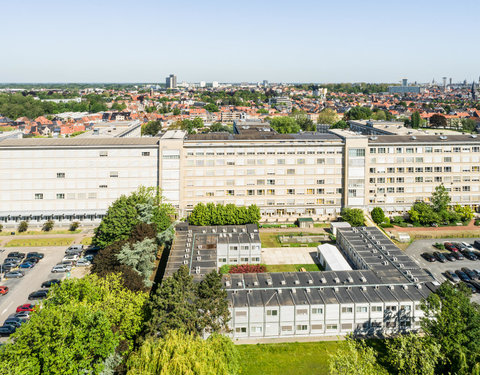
x: 353, y: 216
x: 284, y: 124
x: 378, y: 216
x: 180, y: 353
x: 440, y: 198
x: 211, y: 214
x: 152, y: 128
x: 359, y: 113
x: 438, y: 121
x: 328, y: 116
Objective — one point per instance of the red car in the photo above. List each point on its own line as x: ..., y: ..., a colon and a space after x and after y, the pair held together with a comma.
x: 25, y: 307
x: 450, y: 246
x: 3, y: 289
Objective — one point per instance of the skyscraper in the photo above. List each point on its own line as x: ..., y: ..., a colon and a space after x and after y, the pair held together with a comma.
x: 171, y: 81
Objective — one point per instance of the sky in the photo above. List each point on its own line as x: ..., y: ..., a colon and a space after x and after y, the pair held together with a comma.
x: 239, y: 41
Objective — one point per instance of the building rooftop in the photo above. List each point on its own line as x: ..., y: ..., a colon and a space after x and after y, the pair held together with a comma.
x: 78, y: 142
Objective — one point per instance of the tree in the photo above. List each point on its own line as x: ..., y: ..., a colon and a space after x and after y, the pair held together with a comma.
x: 465, y: 213
x: 440, y: 198
x: 340, y: 125
x: 66, y: 339
x: 23, y: 226
x: 211, y: 214
x: 74, y: 226
x: 152, y: 128
x: 327, y: 116
x: 354, y: 357
x: 378, y: 216
x: 423, y: 213
x: 438, y: 121
x: 284, y: 125
x: 413, y: 355
x: 181, y: 353
x: 305, y: 123
x: 48, y: 225
x: 210, y: 107
x: 173, y: 305
x: 453, y: 322
x: 218, y: 127
x: 213, y: 304
x: 468, y: 125
x: 415, y: 120
x: 354, y: 216
x: 140, y: 257
x: 359, y: 113
x: 1, y: 227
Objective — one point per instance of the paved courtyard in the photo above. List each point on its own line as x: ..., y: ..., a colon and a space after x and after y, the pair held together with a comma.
x: 289, y: 255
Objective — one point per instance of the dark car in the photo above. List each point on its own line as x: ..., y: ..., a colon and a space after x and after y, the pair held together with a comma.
x: 450, y: 246
x: 469, y: 255
x: 450, y: 257
x: 89, y: 257
x: 17, y: 322
x: 458, y: 255
x: 50, y: 283
x: 440, y: 256
x: 476, y: 284
x: 14, y: 274
x: 471, y: 274
x: 12, y: 260
x: 31, y: 260
x: 35, y: 254
x: 26, y: 265
x: 452, y: 276
x: 39, y: 294
x: 477, y: 244
x: 25, y: 307
x: 471, y: 287
x: 7, y: 330
x: 429, y: 257
x: 463, y: 276
x: 16, y: 254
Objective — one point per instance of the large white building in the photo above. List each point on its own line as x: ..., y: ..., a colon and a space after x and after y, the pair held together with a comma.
x: 286, y: 175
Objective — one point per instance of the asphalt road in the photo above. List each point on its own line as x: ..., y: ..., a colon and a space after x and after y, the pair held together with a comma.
x: 436, y: 268
x: 19, y: 289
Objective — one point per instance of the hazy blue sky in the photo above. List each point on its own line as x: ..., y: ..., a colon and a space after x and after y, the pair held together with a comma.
x: 232, y: 41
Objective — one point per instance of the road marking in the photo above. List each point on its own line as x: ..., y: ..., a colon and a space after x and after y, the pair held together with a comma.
x: 6, y: 309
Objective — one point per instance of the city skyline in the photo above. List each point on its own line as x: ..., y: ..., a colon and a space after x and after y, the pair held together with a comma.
x: 278, y: 42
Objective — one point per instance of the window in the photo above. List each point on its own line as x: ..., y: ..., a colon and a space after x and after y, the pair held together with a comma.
x: 103, y: 153
x: 102, y: 186
x: 92, y: 195
x: 145, y: 153
x: 231, y: 192
x: 290, y: 191
x: 290, y: 171
x: 270, y: 192
x: 270, y: 182
x: 301, y: 161
x: 114, y: 174
x: 38, y: 195
x: 377, y: 309
x: 346, y: 326
x: 302, y: 327
x: 317, y: 310
x: 60, y: 195
x: 61, y: 175
x: 256, y: 329
x: 272, y: 312
x: 332, y: 326
x: 250, y: 192
x: 347, y: 309
x: 241, y: 330
x: 240, y: 313
x: 286, y: 328
x: 302, y: 312
x: 362, y: 309
x: 317, y: 326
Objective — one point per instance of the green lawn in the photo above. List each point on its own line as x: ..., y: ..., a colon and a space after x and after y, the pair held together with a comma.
x: 309, y: 358
x: 86, y: 241
x: 36, y: 242
x: 292, y: 267
x: 270, y: 240
x: 6, y: 232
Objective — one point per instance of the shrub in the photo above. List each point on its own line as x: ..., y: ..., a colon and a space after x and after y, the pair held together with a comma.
x: 48, y: 225
x: 74, y: 226
x: 386, y: 225
x: 23, y: 226
x: 397, y: 220
x: 439, y: 246
x: 211, y: 214
x: 477, y: 222
x: 248, y: 268
x: 1, y: 227
x: 378, y: 216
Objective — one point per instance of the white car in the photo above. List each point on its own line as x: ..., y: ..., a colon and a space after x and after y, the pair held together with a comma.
x: 83, y: 263
x: 61, y: 268
x: 70, y: 258
x: 468, y: 246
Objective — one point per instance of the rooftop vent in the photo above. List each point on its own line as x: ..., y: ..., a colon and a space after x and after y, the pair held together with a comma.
x: 335, y: 288
x: 283, y: 282
x: 227, y: 283
x: 197, y: 270
x: 323, y: 280
x: 297, y: 282
x: 185, y: 262
x: 364, y: 288
x: 419, y: 286
x: 310, y: 281
x: 391, y: 287
x: 363, y: 279
x: 204, y: 231
x: 239, y: 283
x: 186, y: 255
x: 350, y: 279
x: 307, y: 290
x: 214, y: 230
x: 405, y: 287
x: 294, y: 291
x: 255, y: 283
x: 336, y: 279
x: 279, y: 291
x: 269, y: 282
x: 199, y: 258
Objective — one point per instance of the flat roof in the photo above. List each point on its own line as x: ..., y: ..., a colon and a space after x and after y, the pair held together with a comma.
x: 333, y: 257
x: 73, y: 142
x: 420, y: 139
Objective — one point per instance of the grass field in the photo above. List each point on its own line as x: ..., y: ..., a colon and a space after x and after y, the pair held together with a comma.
x: 270, y: 240
x: 292, y: 267
x: 309, y: 358
x: 86, y: 241
x: 37, y: 242
x: 6, y: 232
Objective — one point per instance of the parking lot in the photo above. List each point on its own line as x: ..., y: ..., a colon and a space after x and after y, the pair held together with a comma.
x: 437, y: 268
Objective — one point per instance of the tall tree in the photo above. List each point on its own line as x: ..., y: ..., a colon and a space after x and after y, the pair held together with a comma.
x: 438, y: 121
x: 453, y: 322
x: 354, y: 216
x: 378, y: 216
x: 415, y: 120
x: 440, y: 198
x: 328, y: 116
x: 140, y: 256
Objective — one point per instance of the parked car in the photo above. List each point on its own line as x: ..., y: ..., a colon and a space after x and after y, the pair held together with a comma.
x: 6, y: 267
x: 469, y: 255
x: 23, y: 315
x: 16, y: 254
x: 39, y: 294
x: 471, y: 287
x: 17, y: 322
x: 35, y: 254
x: 60, y: 268
x: 476, y: 244
x: 3, y: 290
x: 67, y: 263
x: 471, y: 274
x: 429, y: 257
x: 450, y: 257
x: 7, y: 330
x: 467, y: 246
x: 89, y: 257
x: 452, y: 276
x: 50, y: 283
x: 440, y: 256
x: 70, y: 258
x: 83, y: 263
x: 25, y: 307
x: 476, y: 284
x: 458, y: 255
x: 74, y: 249
x: 26, y: 265
x: 14, y: 274
x: 450, y: 246
x: 12, y: 260
x: 462, y: 275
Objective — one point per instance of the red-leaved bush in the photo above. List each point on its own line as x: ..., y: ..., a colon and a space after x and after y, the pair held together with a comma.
x: 248, y: 268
